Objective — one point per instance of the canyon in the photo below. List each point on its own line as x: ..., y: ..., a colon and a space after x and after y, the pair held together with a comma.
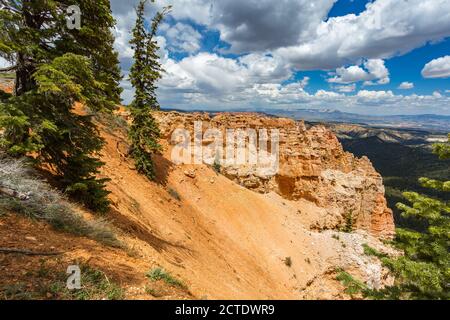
x: 228, y: 232
x: 312, y: 166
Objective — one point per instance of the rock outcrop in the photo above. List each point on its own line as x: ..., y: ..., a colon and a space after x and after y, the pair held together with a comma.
x: 312, y: 166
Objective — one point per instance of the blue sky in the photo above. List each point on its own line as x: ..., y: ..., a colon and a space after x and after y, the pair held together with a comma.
x: 368, y: 57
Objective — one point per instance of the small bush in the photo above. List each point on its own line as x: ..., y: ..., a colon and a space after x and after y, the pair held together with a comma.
x: 95, y: 285
x: 369, y: 251
x: 154, y: 292
x: 352, y: 286
x: 49, y: 284
x: 336, y: 237
x: 174, y: 194
x: 288, y: 261
x: 43, y: 203
x: 349, y: 223
x: 16, y: 291
x: 160, y: 274
x: 217, y: 167
x: 112, y: 122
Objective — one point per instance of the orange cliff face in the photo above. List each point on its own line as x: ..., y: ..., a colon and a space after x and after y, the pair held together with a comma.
x: 312, y: 166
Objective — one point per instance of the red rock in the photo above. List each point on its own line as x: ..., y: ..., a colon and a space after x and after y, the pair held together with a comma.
x: 313, y: 166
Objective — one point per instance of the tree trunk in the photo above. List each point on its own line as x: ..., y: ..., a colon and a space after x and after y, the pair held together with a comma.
x: 24, y: 75
x: 26, y: 65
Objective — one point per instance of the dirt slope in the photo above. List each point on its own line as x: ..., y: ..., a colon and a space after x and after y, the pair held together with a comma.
x: 222, y: 240
x: 32, y: 277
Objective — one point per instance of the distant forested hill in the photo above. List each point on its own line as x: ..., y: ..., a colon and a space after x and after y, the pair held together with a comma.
x: 401, y: 165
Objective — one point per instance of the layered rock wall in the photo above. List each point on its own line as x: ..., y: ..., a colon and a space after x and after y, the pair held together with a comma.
x: 312, y: 166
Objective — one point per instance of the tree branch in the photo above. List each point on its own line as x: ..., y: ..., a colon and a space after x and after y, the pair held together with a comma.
x: 28, y: 252
x: 8, y: 69
x: 14, y: 193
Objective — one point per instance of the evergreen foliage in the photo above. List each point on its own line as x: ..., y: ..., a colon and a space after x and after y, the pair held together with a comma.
x: 144, y: 74
x: 423, y: 271
x: 55, y: 68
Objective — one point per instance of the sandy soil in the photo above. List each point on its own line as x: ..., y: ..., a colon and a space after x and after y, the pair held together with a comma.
x: 222, y: 240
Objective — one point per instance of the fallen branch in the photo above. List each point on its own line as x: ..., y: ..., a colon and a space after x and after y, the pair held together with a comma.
x: 14, y: 193
x: 28, y: 252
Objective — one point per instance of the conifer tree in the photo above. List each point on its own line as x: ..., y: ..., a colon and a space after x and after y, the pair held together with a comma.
x: 144, y: 74
x: 55, y: 67
x: 423, y: 270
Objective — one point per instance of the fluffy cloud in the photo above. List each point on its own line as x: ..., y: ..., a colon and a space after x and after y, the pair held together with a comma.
x: 122, y: 33
x: 406, y: 85
x: 261, y: 25
x: 329, y: 95
x: 298, y: 32
x: 274, y: 40
x: 373, y: 69
x: 182, y: 37
x: 195, y: 10
x: 437, y: 94
x: 375, y: 95
x: 346, y: 88
x: 294, y: 96
x: 209, y: 73
x: 385, y: 29
x: 437, y: 68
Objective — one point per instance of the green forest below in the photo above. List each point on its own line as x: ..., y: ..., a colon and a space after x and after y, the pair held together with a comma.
x: 401, y: 167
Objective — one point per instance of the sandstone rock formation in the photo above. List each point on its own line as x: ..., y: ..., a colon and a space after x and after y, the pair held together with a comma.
x: 312, y: 166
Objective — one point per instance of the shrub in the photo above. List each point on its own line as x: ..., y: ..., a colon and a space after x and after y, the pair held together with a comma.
x: 349, y: 223
x: 49, y: 284
x: 288, y: 261
x: 369, y: 251
x: 352, y: 286
x: 96, y: 285
x: 217, y: 167
x: 422, y: 272
x: 160, y: 274
x: 154, y: 292
x: 174, y: 194
x: 39, y: 201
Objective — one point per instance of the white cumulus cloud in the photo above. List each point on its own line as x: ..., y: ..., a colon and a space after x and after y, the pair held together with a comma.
x: 346, y: 88
x: 406, y: 85
x: 437, y: 68
x: 372, y: 69
x: 275, y: 39
x: 182, y: 37
x: 385, y: 29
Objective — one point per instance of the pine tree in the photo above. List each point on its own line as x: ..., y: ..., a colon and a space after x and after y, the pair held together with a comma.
x: 144, y: 74
x: 56, y: 67
x: 423, y: 271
